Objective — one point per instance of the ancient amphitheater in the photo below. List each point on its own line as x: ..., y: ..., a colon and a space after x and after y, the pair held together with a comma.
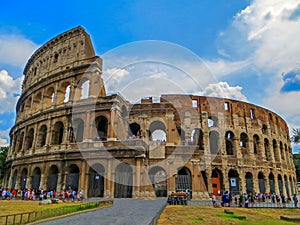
x: 69, y: 134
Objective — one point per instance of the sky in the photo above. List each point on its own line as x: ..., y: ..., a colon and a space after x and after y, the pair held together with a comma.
x: 247, y: 49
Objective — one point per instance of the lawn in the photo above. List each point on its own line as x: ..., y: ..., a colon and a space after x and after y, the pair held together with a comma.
x: 215, y: 216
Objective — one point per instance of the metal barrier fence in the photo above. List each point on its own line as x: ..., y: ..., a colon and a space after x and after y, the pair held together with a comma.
x: 28, y: 217
x: 250, y: 205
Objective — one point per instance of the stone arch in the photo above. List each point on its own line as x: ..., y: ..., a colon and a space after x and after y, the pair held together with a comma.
x: 134, y: 130
x: 102, y: 128
x: 41, y: 141
x: 29, y: 139
x: 234, y: 183
x: 63, y: 93
x: 261, y: 183
x: 197, y: 138
x: 52, y: 178
x: 72, y: 180
x: 256, y: 143
x: 49, y: 97
x: 58, y: 132
x: 216, y: 181
x: 264, y: 129
x: 36, y: 178
x: 184, y: 180
x: 229, y: 142
x: 85, y: 88
x: 281, y: 150
x: 20, y: 141
x: 96, y: 180
x: 158, y: 177
x: 275, y: 150
x: 181, y: 134
x: 78, y: 129
x: 157, y: 131
x: 14, y: 179
x: 267, y: 149
x: 212, y: 121
x: 249, y: 183
x: 286, y: 185
x: 272, y: 183
x: 23, y: 179
x: 244, y: 143
x: 214, y: 142
x: 37, y: 101
x: 280, y: 184
x: 123, y: 181
x: 292, y: 186
x: 28, y: 104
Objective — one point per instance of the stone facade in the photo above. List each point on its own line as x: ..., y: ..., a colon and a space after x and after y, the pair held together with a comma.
x: 70, y: 134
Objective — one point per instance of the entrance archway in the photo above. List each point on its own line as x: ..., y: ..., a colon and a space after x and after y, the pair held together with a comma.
x: 249, y: 183
x: 184, y: 180
x: 96, y: 181
x: 272, y: 183
x: 73, y: 178
x: 52, y: 178
x: 158, y: 177
x: 216, y: 177
x: 261, y: 183
x: 123, y: 181
x: 234, y: 183
x: 23, y: 179
x: 36, y: 179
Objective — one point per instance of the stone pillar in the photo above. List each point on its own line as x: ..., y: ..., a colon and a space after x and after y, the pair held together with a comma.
x: 137, y: 185
x: 59, y: 183
x: 255, y: 183
x: 82, y: 178
x: 267, y: 184
x: 226, y: 181
x: 242, y: 181
x: 109, y: 183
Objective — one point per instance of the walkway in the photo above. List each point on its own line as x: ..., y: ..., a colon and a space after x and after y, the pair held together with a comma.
x: 123, y: 212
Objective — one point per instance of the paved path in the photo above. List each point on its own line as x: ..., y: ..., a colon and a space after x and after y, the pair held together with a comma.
x: 123, y: 212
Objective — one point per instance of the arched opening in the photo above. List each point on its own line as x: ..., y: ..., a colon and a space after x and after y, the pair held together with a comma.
x: 272, y: 183
x: 78, y: 129
x: 184, y: 181
x: 49, y: 97
x: 234, y: 183
x: 264, y: 129
x: 267, y: 149
x: 20, y: 142
x: 58, y: 133
x: 37, y: 101
x: 216, y: 181
x: 123, y: 181
x: 275, y: 150
x: 214, y: 142
x: 255, y: 143
x: 181, y: 134
x: 286, y: 184
x: 229, y: 138
x: 157, y: 131
x: 261, y: 183
x: 280, y: 184
x: 281, y: 151
x: 158, y: 177
x: 42, y: 136
x: 73, y: 178
x: 96, y: 181
x: 85, y: 90
x: 292, y: 186
x: 134, y: 130
x: 23, y: 179
x: 29, y: 139
x: 36, y: 178
x: 67, y: 93
x: 249, y: 183
x: 14, y: 180
x: 244, y: 143
x: 197, y: 138
x: 28, y: 104
x: 212, y: 121
x: 102, y: 128
x: 52, y: 178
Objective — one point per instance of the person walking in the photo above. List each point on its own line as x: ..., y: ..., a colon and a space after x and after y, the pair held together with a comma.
x: 295, y: 199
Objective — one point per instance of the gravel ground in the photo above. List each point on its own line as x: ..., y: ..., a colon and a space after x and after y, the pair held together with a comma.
x: 123, y: 212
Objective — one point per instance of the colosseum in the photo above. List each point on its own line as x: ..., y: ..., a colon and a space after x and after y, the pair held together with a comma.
x: 69, y: 134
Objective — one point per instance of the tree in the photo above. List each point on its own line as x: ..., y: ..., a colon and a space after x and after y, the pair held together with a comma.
x: 296, y: 135
x: 3, y: 155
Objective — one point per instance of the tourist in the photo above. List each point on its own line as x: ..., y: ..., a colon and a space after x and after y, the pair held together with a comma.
x: 214, y: 200
x: 283, y: 200
x: 295, y: 199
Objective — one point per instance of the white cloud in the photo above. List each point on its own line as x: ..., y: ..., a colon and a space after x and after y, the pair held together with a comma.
x: 3, y: 138
x: 9, y: 91
x: 15, y: 49
x: 223, y: 90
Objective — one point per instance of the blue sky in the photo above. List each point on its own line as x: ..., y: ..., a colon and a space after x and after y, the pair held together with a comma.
x: 251, y: 48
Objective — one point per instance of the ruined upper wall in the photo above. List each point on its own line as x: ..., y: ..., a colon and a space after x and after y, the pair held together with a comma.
x: 67, y: 50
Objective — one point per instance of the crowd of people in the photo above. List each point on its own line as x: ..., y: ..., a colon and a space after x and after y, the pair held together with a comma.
x: 244, y: 200
x: 30, y: 194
